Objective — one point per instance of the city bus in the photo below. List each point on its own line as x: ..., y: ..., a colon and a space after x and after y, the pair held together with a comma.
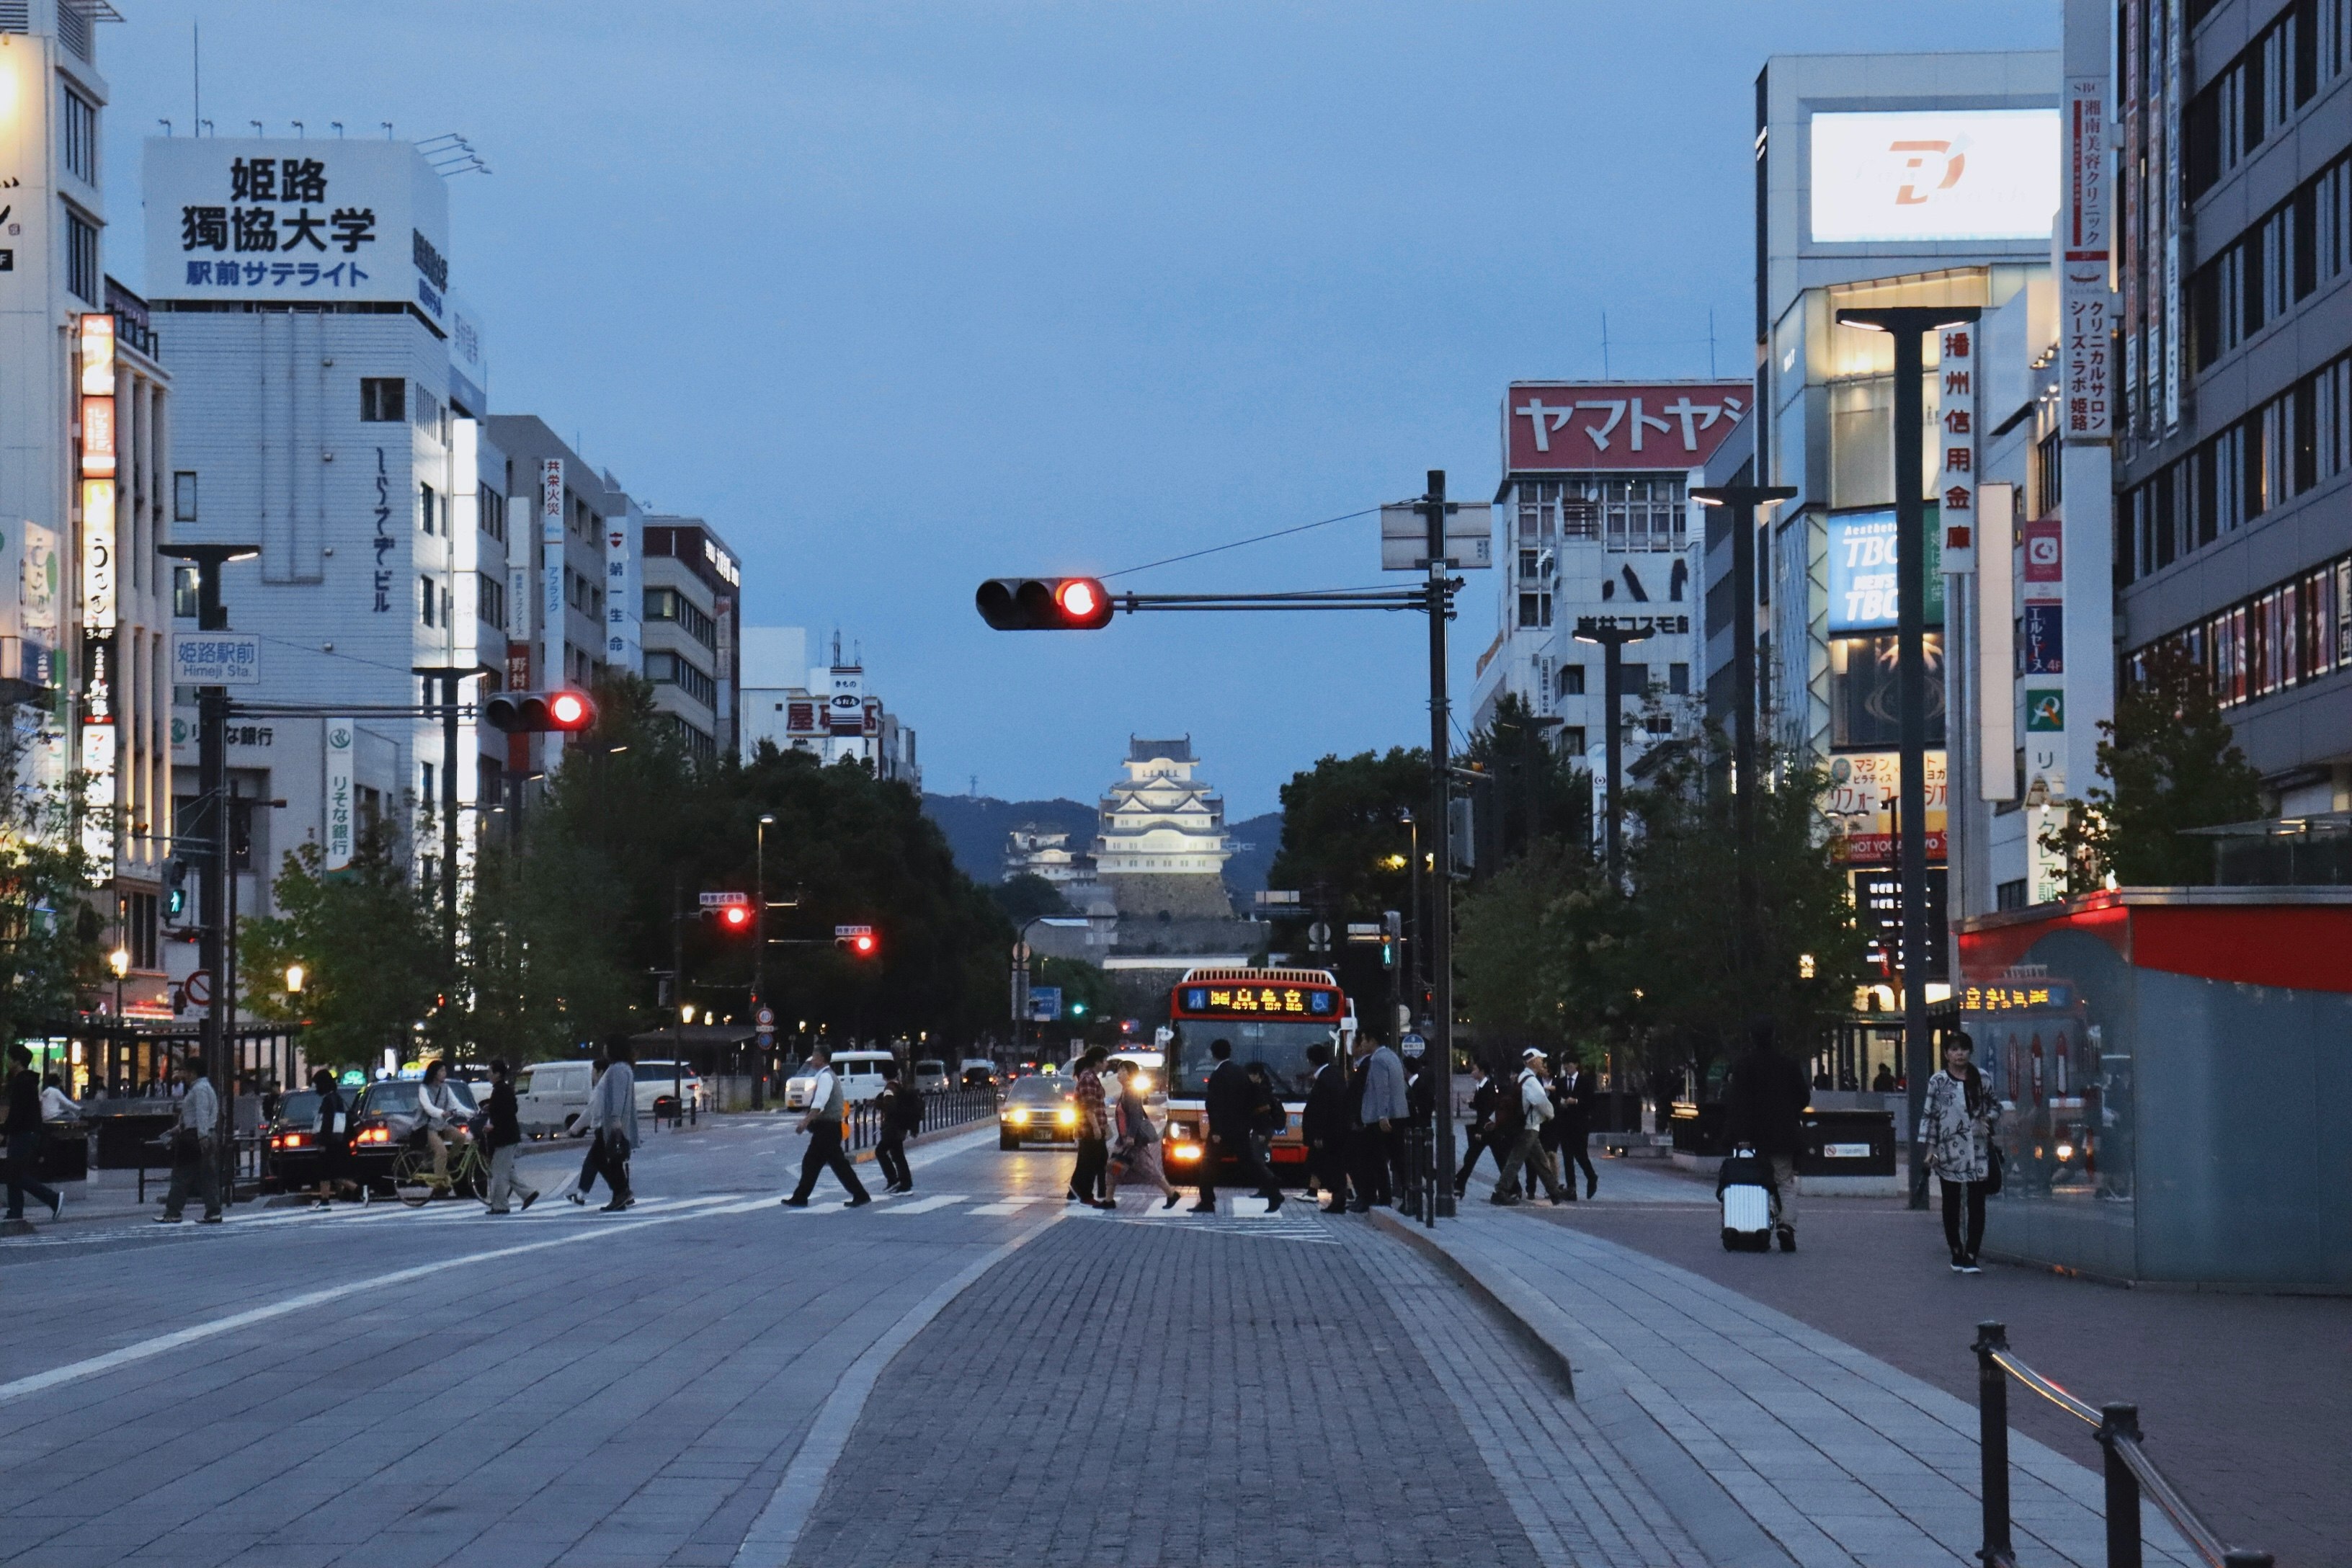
x: 1271, y: 1015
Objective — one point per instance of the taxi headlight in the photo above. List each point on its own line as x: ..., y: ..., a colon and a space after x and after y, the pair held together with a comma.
x: 1067, y: 1116
x: 1017, y: 1116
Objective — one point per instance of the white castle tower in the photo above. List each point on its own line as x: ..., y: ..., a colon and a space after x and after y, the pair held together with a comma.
x: 1160, y: 847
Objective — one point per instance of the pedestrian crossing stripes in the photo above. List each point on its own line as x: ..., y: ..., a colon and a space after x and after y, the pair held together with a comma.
x: 925, y: 1205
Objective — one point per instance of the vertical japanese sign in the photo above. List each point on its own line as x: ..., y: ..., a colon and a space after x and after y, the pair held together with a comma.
x: 41, y: 616
x: 382, y: 540
x: 622, y: 635
x: 2085, y: 390
x: 1956, y: 427
x: 2131, y: 209
x: 2172, y: 204
x: 551, y: 599
x: 98, y: 588
x: 342, y: 825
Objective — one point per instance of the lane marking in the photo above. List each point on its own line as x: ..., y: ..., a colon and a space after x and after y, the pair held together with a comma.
x: 1004, y: 1207
x: 925, y: 1205
x: 164, y: 1344
x: 778, y: 1529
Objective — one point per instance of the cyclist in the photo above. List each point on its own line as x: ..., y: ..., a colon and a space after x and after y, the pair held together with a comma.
x: 443, y: 1114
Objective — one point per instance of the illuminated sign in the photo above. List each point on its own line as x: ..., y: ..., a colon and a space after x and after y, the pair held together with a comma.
x: 1933, y: 176
x: 1862, y: 561
x: 1258, y: 1000
x: 1574, y: 427
x: 2016, y: 996
x: 1864, y: 789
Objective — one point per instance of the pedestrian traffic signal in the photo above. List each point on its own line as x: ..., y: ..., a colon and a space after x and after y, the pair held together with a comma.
x: 1044, y: 604
x: 565, y: 711
x: 175, y: 888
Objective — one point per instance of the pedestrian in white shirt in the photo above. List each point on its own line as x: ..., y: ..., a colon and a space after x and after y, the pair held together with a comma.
x: 1528, y: 1150
x: 57, y: 1105
x: 822, y: 1122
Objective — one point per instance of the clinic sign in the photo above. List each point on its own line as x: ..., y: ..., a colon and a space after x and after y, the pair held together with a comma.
x: 299, y: 222
x: 1555, y: 427
x: 1930, y: 176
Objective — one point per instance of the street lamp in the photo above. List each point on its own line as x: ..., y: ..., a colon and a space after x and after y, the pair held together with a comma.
x: 120, y: 961
x: 1907, y: 324
x: 294, y: 975
x: 763, y: 1037
x: 1613, y: 638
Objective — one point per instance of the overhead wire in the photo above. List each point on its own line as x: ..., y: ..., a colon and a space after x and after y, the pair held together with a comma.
x: 1236, y: 545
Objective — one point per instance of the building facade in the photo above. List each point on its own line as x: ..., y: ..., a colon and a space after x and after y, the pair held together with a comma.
x: 693, y: 631
x: 2234, y: 435
x: 829, y: 711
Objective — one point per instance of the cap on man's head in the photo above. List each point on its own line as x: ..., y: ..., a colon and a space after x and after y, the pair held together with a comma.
x: 1532, y: 1054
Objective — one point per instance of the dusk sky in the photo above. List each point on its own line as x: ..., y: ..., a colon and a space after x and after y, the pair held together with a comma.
x: 902, y: 297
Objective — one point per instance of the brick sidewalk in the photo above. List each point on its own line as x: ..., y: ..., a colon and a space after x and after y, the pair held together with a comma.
x: 2245, y: 1399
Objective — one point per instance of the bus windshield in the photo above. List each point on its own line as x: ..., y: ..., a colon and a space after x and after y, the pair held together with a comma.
x: 1282, y: 1046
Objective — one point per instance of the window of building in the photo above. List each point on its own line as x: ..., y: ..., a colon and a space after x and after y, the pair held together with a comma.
x: 490, y: 599
x: 1678, y: 679
x: 384, y: 399
x: 426, y: 416
x: 1634, y: 679
x: 2048, y: 490
x: 1572, y: 740
x: 78, y: 121
x: 1535, y: 610
x: 139, y: 933
x: 2290, y: 633
x: 1571, y: 680
x: 81, y: 258
x: 430, y: 503
x: 184, y: 497
x: 491, y: 514
x: 426, y: 796
x: 425, y: 599
x: 2009, y: 895
x: 185, y: 595
x: 665, y: 668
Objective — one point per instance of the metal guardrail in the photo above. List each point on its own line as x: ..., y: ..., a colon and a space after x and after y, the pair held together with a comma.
x: 941, y: 1108
x: 2131, y: 1475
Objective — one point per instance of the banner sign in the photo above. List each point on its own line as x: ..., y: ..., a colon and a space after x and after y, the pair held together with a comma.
x: 1865, y: 788
x: 2045, y: 639
x: 2084, y: 309
x: 343, y: 826
x: 1575, y: 426
x: 1956, y: 413
x: 215, y: 659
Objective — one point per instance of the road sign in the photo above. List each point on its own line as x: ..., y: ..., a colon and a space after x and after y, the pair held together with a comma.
x: 765, y: 1018
x: 1319, y: 936
x: 1469, y: 536
x: 726, y: 901
x: 200, y: 988
x: 1360, y: 931
x: 1271, y: 896
x: 1412, y: 1042
x: 840, y: 931
x: 215, y: 659
x: 1044, y: 1004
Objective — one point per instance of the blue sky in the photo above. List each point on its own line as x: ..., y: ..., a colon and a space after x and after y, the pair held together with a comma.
x: 904, y: 296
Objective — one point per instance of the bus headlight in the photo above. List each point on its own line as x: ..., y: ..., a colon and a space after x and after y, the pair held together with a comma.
x: 1183, y: 1154
x: 1143, y: 1083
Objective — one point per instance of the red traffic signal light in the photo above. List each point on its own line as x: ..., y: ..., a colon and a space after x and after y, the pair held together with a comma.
x: 735, y: 917
x: 565, y: 711
x: 858, y: 941
x: 1044, y: 604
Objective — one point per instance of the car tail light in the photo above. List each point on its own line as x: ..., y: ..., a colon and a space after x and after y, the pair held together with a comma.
x: 378, y: 1134
x: 290, y: 1140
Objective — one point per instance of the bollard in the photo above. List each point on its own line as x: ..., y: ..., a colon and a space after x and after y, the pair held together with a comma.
x: 2120, y: 1424
x: 1992, y: 1443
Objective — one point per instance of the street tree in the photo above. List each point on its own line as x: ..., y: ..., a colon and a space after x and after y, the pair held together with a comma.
x: 51, y: 940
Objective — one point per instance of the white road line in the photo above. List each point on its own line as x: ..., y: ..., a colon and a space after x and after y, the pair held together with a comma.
x: 778, y: 1529
x: 925, y: 1205
x: 1003, y: 1207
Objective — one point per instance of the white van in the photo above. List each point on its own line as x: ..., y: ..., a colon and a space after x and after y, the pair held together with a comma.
x: 550, y: 1096
x: 655, y: 1082
x: 860, y: 1073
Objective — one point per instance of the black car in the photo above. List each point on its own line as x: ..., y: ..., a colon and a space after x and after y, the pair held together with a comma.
x: 385, y: 1119
x: 292, y: 1141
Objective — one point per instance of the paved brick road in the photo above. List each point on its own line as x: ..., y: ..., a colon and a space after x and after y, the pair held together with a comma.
x: 2246, y: 1399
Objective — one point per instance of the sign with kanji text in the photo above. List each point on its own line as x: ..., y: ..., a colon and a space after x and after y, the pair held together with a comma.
x: 1552, y: 426
x: 724, y: 900
x: 2085, y: 305
x: 1044, y: 1004
x: 249, y: 218
x: 2045, y: 639
x: 215, y: 659
x: 1956, y: 444
x: 341, y: 822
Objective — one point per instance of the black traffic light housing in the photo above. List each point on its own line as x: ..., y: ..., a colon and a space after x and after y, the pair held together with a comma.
x: 564, y: 711
x: 1044, y: 603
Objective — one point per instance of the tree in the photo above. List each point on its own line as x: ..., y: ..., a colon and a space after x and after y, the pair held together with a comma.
x: 2170, y: 764
x: 1027, y: 896
x: 1346, y: 848
x: 1537, y: 792
x: 543, y: 972
x: 370, y: 943
x: 51, y: 952
x: 1501, y: 953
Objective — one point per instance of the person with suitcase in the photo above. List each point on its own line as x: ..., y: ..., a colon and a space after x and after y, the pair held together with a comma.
x: 1743, y: 1185
x: 1768, y: 1099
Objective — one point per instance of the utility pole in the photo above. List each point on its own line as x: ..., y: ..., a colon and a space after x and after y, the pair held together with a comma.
x: 446, y: 676
x: 208, y: 830
x: 1742, y: 501
x: 1907, y: 324
x: 1613, y: 639
x: 1440, y: 922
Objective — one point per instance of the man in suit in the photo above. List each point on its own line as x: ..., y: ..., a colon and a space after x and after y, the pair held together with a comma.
x: 1231, y: 1102
x: 1573, y: 1095
x: 1327, y: 1126
x: 1380, y: 1110
x: 1483, y: 1094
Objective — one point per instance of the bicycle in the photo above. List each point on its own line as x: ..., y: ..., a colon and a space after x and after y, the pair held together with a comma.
x: 415, y: 1184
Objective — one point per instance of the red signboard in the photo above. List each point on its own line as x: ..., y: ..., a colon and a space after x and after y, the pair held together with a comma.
x: 1552, y: 426
x: 2045, y: 557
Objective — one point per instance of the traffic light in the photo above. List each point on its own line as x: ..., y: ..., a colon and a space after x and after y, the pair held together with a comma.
x: 566, y: 712
x: 175, y: 888
x: 1391, y: 933
x: 855, y: 941
x: 1044, y: 603
x: 734, y: 919
x: 1078, y: 1009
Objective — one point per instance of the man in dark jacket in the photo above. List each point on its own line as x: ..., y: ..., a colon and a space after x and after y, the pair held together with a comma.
x: 1232, y: 1103
x: 1765, y: 1110
x: 505, y: 1138
x: 1483, y: 1096
x: 24, y: 1130
x: 1327, y: 1126
x: 902, y: 1116
x: 1572, y: 1098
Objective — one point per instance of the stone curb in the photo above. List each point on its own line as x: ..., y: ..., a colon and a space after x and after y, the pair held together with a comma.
x: 1519, y: 1322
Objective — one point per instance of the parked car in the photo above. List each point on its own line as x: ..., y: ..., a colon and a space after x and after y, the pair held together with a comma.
x: 930, y: 1076
x: 860, y: 1073
x: 385, y: 1120
x: 1041, y: 1110
x: 292, y: 1141
x: 655, y: 1083
x: 550, y: 1096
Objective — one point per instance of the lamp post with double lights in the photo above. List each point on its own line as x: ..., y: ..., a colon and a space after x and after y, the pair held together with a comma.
x: 1907, y: 324
x: 763, y: 1035
x: 1613, y: 638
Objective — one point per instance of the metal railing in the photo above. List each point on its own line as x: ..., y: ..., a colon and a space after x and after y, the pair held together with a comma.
x: 2130, y: 1474
x: 941, y: 1108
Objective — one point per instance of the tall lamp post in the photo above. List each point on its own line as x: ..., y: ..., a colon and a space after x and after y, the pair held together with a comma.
x: 1613, y: 639
x: 1907, y: 324
x: 1743, y: 500
x: 762, y: 1035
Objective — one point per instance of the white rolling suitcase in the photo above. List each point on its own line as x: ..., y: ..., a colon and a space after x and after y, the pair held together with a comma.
x: 1745, y: 1187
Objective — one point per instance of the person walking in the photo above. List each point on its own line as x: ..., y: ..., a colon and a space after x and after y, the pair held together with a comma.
x: 1267, y: 1116
x: 1137, y: 1155
x: 1090, y: 1177
x: 1379, y: 1082
x: 822, y: 1122
x: 1484, y: 1093
x: 1957, y: 1127
x: 1231, y: 1104
x: 24, y: 1130
x: 505, y: 1142
x: 612, y: 1115
x: 1572, y: 1098
x: 901, y: 1117
x: 1527, y: 1148
x: 593, y: 1160
x: 1767, y: 1109
x: 333, y: 1130
x: 196, y: 1145
x: 1327, y: 1126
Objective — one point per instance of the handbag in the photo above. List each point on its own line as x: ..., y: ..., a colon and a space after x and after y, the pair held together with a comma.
x: 187, y: 1146
x: 1993, y: 1169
